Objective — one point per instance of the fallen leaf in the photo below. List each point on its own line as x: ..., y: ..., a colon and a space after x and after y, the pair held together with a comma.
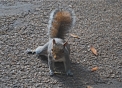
x: 94, y: 51
x: 75, y: 36
x: 59, y: 73
x: 94, y: 69
x: 89, y: 87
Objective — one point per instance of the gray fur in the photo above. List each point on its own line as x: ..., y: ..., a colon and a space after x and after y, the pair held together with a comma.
x: 47, y: 48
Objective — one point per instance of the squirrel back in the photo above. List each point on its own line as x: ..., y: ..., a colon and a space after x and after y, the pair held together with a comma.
x: 60, y: 22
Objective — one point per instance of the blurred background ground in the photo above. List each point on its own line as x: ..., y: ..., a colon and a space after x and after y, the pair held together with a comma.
x: 23, y: 24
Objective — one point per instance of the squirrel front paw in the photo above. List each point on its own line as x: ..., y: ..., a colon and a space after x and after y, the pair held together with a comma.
x: 51, y: 73
x: 69, y: 73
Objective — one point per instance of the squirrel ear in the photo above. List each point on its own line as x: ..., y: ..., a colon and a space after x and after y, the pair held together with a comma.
x: 65, y: 43
x: 54, y: 41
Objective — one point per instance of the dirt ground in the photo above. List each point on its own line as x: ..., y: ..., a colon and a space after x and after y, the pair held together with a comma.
x: 23, y: 25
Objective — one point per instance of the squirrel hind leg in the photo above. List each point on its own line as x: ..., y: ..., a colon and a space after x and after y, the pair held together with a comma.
x: 29, y: 51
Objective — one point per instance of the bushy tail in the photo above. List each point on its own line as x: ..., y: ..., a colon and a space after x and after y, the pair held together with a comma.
x: 60, y: 22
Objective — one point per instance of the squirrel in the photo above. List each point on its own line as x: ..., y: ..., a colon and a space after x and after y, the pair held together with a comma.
x: 56, y: 49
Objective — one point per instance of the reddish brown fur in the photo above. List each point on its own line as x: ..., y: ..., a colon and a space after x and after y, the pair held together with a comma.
x: 59, y: 18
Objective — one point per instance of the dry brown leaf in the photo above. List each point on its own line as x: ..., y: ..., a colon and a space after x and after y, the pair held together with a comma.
x: 94, y: 51
x: 89, y: 87
x: 75, y: 36
x: 94, y: 69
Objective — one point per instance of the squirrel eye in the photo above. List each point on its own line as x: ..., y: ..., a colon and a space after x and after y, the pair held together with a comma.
x: 52, y: 49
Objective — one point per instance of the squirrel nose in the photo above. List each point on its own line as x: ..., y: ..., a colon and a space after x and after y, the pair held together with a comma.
x: 54, y: 57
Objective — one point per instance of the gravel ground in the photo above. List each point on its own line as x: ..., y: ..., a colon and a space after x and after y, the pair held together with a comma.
x: 23, y: 24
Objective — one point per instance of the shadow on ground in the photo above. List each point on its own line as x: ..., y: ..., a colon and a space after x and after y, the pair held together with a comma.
x: 81, y: 77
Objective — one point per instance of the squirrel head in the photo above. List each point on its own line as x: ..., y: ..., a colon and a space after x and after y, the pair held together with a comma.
x: 58, y: 50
